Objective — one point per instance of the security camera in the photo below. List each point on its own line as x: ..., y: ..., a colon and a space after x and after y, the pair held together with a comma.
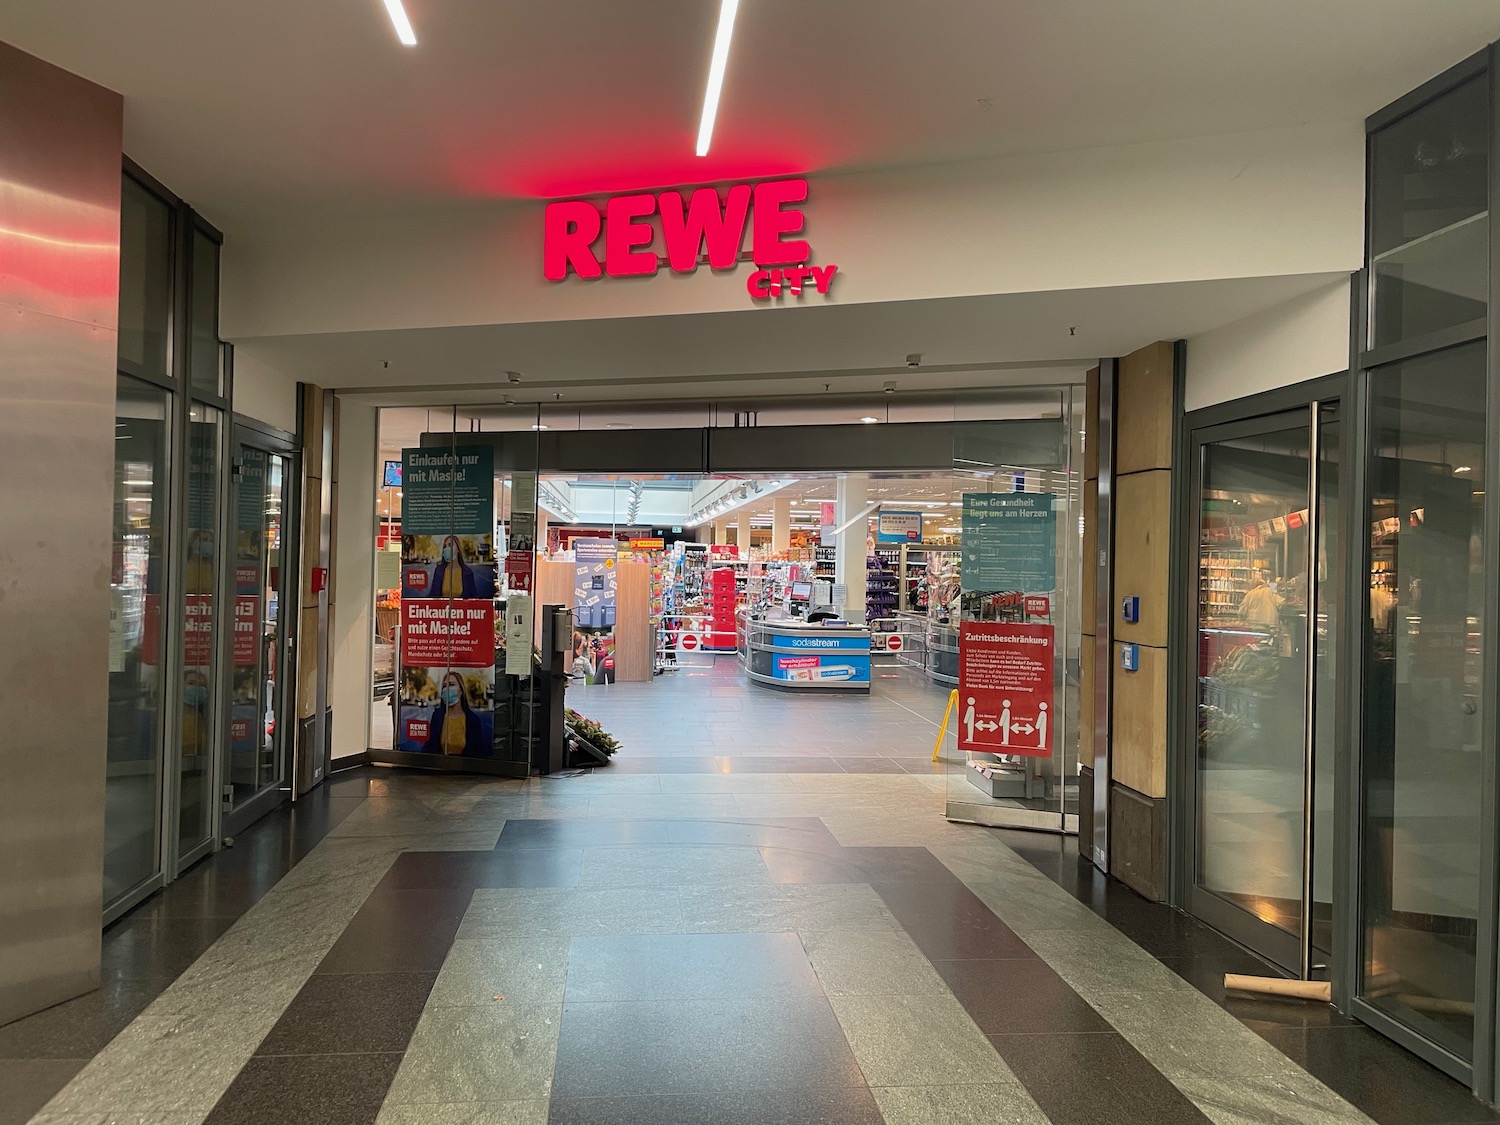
x: 513, y: 376
x: 914, y: 360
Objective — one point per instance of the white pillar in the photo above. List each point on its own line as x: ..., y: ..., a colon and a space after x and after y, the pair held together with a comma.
x: 721, y: 532
x: 851, y: 498
x: 742, y: 533
x: 781, y: 523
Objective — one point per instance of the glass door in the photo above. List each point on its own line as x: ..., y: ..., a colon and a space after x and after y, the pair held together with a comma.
x: 260, y: 727
x: 1264, y: 630
x: 1422, y: 760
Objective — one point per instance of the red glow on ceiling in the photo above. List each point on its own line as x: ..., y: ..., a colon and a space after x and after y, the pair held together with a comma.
x: 612, y: 167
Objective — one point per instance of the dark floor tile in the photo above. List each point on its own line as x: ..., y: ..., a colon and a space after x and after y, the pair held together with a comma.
x: 210, y: 892
x: 79, y: 1028
x: 584, y: 833
x: 352, y: 782
x: 949, y: 922
x: 1018, y: 996
x: 698, y: 1046
x: 793, y: 833
x: 854, y: 865
x: 362, y: 1013
x: 399, y: 931
x: 1094, y: 1080
x: 157, y: 948
x: 1162, y: 931
x: 1386, y: 1082
x: 849, y: 1105
x: 29, y: 1084
x: 1259, y: 1012
x: 1205, y: 972
x: 506, y: 867
x: 689, y: 967
x: 307, y: 1090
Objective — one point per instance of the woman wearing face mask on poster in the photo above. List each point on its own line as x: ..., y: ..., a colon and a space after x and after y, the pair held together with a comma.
x: 194, y: 713
x: 453, y: 578
x: 455, y: 728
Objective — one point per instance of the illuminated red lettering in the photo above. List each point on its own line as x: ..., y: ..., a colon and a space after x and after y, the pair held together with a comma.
x: 571, y: 226
x: 705, y: 224
x: 795, y: 277
x: 771, y: 222
x: 687, y: 228
x: 625, y: 233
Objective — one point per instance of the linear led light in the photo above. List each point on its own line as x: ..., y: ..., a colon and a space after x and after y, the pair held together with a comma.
x: 727, y: 10
x: 402, y: 25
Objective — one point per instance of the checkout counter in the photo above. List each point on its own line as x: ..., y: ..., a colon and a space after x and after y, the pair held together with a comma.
x: 788, y: 653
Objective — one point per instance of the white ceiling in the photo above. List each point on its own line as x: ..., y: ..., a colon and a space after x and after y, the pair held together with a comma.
x: 252, y: 109
x: 1015, y: 339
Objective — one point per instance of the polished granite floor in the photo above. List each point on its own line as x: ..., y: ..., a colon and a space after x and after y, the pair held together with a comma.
x: 770, y: 938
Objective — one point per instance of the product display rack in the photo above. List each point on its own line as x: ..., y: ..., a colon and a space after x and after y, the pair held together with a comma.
x: 880, y: 589
x: 824, y: 560
x: 1224, y: 577
x: 723, y: 600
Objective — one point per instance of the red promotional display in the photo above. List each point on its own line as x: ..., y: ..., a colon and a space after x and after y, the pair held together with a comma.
x: 723, y: 601
x: 246, y: 630
x: 518, y: 569
x: 1005, y: 688
x: 456, y: 633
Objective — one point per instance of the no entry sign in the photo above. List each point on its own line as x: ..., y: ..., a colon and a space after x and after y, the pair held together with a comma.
x: 690, y: 641
x: 1005, y: 688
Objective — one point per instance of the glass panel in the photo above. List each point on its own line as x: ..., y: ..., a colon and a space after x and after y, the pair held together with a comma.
x: 145, y: 278
x: 1421, y: 755
x: 1429, y: 237
x: 1325, y: 673
x: 204, y: 352
x: 1004, y: 627
x: 254, y: 737
x: 1252, y: 668
x: 200, y: 651
x: 133, y: 786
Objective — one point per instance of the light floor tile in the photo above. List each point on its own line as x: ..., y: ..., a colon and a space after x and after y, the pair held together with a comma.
x: 918, y: 1040
x: 479, y: 1054
x: 993, y: 1104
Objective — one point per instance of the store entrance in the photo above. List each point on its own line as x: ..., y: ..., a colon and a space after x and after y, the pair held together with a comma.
x: 1265, y: 628
x: 762, y: 591
x: 715, y: 633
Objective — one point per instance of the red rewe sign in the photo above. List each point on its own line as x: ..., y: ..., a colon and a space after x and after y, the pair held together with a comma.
x: 703, y: 224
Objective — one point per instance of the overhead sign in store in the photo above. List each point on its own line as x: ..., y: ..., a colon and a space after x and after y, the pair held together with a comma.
x: 1010, y: 542
x: 704, y: 226
x: 898, y: 527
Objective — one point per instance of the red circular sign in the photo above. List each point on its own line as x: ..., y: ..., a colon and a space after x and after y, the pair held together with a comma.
x: 689, y: 641
x: 894, y: 643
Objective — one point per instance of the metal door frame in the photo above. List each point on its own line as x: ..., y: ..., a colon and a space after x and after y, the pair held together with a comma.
x: 276, y: 443
x: 1281, y: 409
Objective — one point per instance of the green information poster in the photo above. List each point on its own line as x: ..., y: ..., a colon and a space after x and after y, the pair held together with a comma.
x: 448, y: 491
x: 1010, y: 542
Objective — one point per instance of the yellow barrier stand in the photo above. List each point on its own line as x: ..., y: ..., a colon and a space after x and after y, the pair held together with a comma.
x: 937, y: 751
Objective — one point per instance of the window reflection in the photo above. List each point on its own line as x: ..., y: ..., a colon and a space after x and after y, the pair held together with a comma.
x: 137, y: 580
x: 1421, y: 741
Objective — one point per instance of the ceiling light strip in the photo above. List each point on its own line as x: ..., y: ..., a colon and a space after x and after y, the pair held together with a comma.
x: 402, y: 25
x: 722, y: 37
